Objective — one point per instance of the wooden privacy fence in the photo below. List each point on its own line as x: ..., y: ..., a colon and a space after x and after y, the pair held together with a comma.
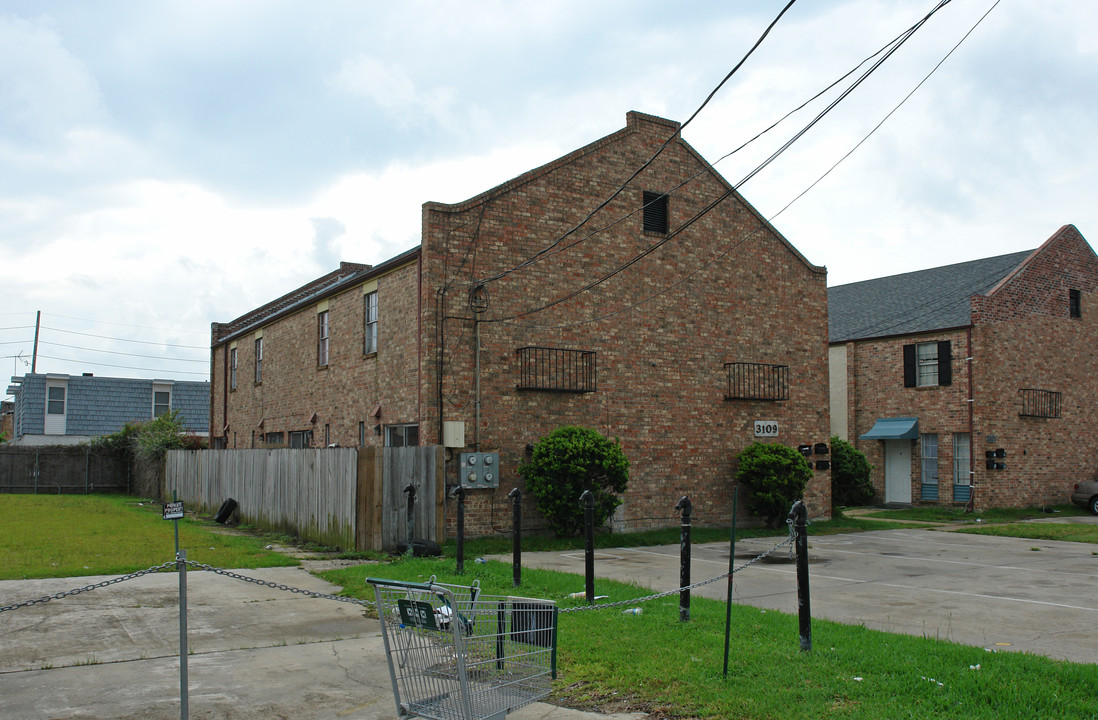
x: 344, y: 497
x: 61, y: 469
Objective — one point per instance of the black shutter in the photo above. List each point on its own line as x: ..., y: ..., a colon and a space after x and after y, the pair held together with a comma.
x: 945, y: 363
x: 909, y: 366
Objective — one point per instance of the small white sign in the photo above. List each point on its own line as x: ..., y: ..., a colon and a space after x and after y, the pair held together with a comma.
x: 173, y: 511
x: 766, y: 428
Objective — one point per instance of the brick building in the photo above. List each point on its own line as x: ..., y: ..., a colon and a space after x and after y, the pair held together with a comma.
x: 655, y: 305
x: 972, y: 382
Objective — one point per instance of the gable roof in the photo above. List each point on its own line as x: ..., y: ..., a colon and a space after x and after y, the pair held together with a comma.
x: 914, y: 302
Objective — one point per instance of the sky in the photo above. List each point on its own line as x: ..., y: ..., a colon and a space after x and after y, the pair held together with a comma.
x: 167, y: 164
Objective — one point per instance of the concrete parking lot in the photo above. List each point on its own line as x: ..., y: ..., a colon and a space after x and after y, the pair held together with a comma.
x: 999, y: 593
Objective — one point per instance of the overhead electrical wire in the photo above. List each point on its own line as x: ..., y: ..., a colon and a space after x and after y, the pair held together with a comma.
x: 140, y: 327
x: 650, y: 160
x: 142, y: 342
x: 117, y: 352
x: 786, y: 207
x: 122, y: 367
x: 894, y: 46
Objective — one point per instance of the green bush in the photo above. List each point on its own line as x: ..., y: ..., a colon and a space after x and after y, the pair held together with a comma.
x: 146, y: 440
x: 850, y: 484
x: 776, y: 476
x: 568, y: 461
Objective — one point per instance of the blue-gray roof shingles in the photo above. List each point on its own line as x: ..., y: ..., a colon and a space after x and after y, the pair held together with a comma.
x: 192, y: 400
x: 914, y: 302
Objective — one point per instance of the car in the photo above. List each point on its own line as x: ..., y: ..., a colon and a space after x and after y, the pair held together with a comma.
x: 1085, y: 495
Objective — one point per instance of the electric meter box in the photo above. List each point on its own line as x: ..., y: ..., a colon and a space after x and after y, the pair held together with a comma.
x: 479, y: 470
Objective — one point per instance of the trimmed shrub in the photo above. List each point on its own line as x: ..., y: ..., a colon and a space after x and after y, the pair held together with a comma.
x: 568, y: 461
x: 776, y: 476
x: 850, y: 484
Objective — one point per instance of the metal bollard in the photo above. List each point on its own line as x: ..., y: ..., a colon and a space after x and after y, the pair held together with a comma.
x: 684, y: 558
x: 589, y: 545
x: 516, y: 531
x: 459, y: 493
x: 411, y: 517
x: 799, y: 515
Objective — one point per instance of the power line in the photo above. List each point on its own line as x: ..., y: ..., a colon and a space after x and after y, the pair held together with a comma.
x: 534, y: 258
x: 122, y: 367
x: 142, y: 342
x: 894, y: 46
x: 140, y: 327
x: 116, y: 352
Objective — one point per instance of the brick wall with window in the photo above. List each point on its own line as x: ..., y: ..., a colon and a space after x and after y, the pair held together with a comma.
x: 727, y: 289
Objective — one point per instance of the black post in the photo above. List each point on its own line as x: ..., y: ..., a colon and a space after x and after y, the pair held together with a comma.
x: 731, y: 572
x: 684, y: 559
x: 459, y: 493
x: 411, y: 490
x: 589, y: 544
x: 799, y: 515
x: 516, y: 530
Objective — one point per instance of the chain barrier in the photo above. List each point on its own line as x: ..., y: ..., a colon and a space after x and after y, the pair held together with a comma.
x: 87, y: 588
x: 279, y: 586
x: 676, y: 591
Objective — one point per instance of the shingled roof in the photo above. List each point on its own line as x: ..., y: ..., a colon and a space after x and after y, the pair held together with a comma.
x: 914, y: 302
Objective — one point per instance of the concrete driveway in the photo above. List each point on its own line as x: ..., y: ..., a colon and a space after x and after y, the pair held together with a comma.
x: 257, y: 652
x: 999, y: 593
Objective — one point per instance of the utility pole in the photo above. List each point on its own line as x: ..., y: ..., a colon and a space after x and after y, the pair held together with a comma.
x: 34, y: 356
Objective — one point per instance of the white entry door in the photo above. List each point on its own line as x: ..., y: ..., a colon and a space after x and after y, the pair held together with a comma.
x: 897, y: 471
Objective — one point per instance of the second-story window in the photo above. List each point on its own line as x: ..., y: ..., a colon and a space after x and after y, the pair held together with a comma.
x: 232, y: 368
x: 928, y: 364
x: 322, y: 339
x: 370, y: 323
x: 258, y: 360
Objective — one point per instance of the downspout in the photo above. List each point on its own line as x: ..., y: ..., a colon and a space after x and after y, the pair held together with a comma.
x: 476, y: 404
x: 971, y: 506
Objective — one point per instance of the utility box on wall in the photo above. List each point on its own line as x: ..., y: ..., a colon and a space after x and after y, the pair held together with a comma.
x: 479, y: 470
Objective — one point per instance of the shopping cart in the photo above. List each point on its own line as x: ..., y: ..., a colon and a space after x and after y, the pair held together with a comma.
x: 457, y: 654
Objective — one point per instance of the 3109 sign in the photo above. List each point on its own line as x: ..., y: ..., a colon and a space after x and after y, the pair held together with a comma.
x: 766, y: 428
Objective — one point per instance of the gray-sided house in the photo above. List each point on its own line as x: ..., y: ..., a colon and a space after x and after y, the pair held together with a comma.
x: 71, y: 409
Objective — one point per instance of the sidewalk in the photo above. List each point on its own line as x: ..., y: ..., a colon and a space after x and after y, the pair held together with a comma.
x: 256, y: 652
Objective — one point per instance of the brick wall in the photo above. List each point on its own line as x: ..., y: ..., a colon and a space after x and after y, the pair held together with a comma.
x: 343, y: 394
x: 726, y: 289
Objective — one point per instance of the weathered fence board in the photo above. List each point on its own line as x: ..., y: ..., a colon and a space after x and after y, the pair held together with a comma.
x: 345, y: 497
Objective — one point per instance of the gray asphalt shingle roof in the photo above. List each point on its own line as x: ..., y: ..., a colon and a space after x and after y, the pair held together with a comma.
x: 914, y: 302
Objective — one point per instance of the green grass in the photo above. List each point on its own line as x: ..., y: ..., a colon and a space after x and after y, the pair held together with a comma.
x: 939, y: 514
x: 1070, y: 532
x: 654, y: 663
x: 73, y: 535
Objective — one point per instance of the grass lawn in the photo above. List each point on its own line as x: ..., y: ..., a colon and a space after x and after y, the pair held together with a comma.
x: 654, y: 663
x: 939, y: 514
x: 73, y: 535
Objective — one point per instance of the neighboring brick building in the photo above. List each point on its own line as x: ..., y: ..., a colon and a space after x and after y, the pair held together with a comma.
x: 972, y: 382
x: 71, y: 409
x: 640, y: 313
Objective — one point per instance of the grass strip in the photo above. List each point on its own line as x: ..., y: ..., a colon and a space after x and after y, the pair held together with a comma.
x: 652, y: 662
x: 74, y: 535
x: 1068, y: 532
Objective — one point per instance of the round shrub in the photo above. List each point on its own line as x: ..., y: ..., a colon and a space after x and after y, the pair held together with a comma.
x: 776, y: 476
x: 568, y: 461
x: 850, y: 484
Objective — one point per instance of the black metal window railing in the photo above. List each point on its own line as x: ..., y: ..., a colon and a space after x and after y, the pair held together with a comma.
x: 556, y: 369
x: 757, y: 381
x: 1040, y: 403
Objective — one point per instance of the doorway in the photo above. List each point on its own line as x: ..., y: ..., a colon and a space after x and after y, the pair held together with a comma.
x: 898, y: 471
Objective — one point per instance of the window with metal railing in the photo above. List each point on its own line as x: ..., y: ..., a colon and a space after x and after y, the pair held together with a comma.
x: 1040, y: 403
x: 556, y: 369
x: 757, y: 381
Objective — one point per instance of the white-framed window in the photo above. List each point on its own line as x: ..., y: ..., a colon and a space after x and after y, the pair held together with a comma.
x: 55, y: 400
x: 929, y: 445
x: 926, y: 357
x: 369, y: 330
x: 402, y: 435
x: 322, y: 338
x: 232, y: 368
x: 258, y: 360
x: 162, y: 399
x: 962, y: 459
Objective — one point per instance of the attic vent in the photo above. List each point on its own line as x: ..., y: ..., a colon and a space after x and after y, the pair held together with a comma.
x: 655, y: 212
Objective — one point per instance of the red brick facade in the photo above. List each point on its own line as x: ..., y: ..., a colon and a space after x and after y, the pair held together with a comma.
x: 662, y: 311
x: 1022, y: 338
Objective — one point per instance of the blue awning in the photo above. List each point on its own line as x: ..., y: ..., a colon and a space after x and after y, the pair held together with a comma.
x: 894, y: 429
